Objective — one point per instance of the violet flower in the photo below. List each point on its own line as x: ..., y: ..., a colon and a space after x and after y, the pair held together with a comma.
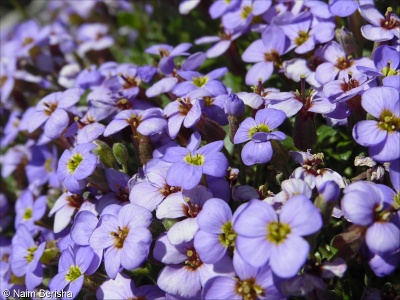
x: 124, y: 237
x: 154, y: 189
x: 76, y: 165
x: 216, y: 232
x: 185, y: 274
x: 71, y: 270
x: 259, y: 132
x: 25, y: 257
x: 194, y: 162
x: 195, y: 80
x: 249, y: 283
x: 310, y: 171
x: 28, y: 210
x: 219, y: 8
x: 123, y: 287
x: 184, y: 207
x: 304, y: 35
x: 146, y: 122
x: 266, y: 54
x: 242, y: 17
x: 338, y: 64
x: 186, y: 111
x: 53, y: 111
x: 387, y: 64
x: 263, y: 236
x: 222, y: 42
x: 167, y: 54
x: 382, y: 136
x: 368, y: 204
x: 42, y: 167
x: 382, y: 28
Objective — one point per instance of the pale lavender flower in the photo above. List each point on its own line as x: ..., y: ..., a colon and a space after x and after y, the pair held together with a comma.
x: 263, y: 236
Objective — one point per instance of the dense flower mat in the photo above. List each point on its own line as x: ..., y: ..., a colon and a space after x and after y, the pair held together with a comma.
x: 235, y: 149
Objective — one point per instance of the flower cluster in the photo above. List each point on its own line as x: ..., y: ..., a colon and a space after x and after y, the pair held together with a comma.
x: 139, y: 165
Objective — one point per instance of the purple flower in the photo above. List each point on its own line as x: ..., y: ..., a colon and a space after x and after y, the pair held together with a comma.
x: 344, y: 8
x: 346, y: 88
x: 42, y: 167
x: 249, y: 283
x: 368, y: 204
x: 185, y: 273
x: 384, y: 264
x: 122, y: 287
x: 146, y: 122
x: 233, y: 105
x: 195, y: 80
x: 194, y: 162
x: 53, y: 110
x: 259, y: 132
x: 167, y: 54
x: 93, y: 37
x: 382, y: 136
x: 298, y: 67
x: 11, y: 129
x: 304, y: 35
x: 186, y: 111
x: 266, y: 54
x: 310, y: 171
x: 124, y: 237
x: 222, y: 42
x: 338, y: 64
x: 14, y: 157
x: 219, y: 8
x: 184, y: 207
x: 85, y: 223
x: 264, y: 236
x: 382, y: 28
x: 25, y: 257
x: 290, y: 187
x: 71, y: 269
x: 242, y: 17
x: 216, y: 232
x: 387, y: 64
x: 154, y: 189
x: 76, y: 165
x: 64, y: 208
x: 29, y: 210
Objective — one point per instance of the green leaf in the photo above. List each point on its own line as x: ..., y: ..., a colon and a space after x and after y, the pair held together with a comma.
x: 344, y: 149
x: 325, y: 131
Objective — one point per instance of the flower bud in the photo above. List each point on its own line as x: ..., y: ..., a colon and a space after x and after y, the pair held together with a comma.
x: 329, y: 193
x: 120, y: 153
x: 233, y: 105
x: 104, y: 152
x: 346, y: 40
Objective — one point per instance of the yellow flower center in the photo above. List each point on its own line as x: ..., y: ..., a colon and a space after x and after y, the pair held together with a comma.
x: 249, y: 290
x: 389, y: 122
x: 27, y: 214
x: 246, y: 11
x: 73, y: 274
x: 228, y: 235
x: 74, y: 162
x: 277, y: 232
x: 120, y: 236
x: 31, y: 253
x: 259, y: 128
x: 196, y: 160
x: 200, y: 81
x: 302, y: 38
